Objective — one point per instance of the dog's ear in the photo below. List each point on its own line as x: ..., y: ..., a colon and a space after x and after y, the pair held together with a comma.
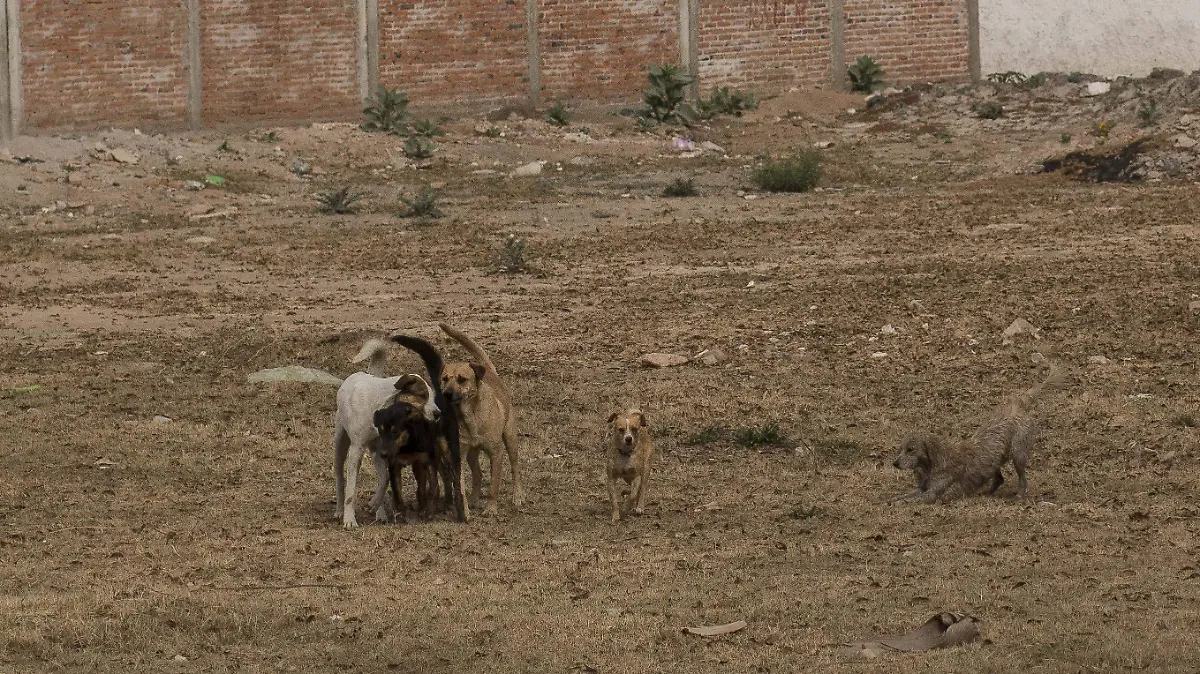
x: 612, y: 417
x: 380, y: 418
x: 412, y: 384
x: 479, y: 371
x: 641, y: 419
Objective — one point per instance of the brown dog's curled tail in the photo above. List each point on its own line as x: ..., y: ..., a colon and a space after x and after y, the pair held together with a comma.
x: 1025, y: 400
x: 469, y: 344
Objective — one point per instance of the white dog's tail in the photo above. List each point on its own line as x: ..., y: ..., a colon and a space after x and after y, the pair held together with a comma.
x: 375, y: 353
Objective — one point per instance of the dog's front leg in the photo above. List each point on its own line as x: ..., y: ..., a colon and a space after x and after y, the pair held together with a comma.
x: 640, y: 490
x: 635, y: 489
x: 379, y: 501
x: 614, y: 498
x: 353, y: 461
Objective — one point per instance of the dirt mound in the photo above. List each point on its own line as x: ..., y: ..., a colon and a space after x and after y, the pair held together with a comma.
x: 1120, y: 166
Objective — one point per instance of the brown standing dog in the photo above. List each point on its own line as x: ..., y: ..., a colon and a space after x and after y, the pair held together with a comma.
x: 629, y: 452
x: 488, y: 421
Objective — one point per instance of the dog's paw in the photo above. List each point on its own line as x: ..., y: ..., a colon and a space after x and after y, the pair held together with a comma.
x: 639, y: 511
x: 349, y: 522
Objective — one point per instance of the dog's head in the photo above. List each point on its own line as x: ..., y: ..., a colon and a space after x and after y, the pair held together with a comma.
x: 398, y: 425
x: 460, y: 381
x: 413, y: 389
x: 916, y: 453
x: 625, y: 428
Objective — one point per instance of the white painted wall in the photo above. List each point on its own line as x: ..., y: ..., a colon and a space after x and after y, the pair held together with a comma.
x: 1104, y: 37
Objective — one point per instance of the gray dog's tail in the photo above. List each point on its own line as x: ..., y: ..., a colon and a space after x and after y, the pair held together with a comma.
x: 1025, y: 400
x: 375, y: 353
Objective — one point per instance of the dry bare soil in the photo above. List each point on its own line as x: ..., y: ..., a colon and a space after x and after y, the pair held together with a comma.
x: 206, y: 543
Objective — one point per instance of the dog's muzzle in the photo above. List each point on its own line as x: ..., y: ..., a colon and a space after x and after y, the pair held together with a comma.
x: 627, y: 445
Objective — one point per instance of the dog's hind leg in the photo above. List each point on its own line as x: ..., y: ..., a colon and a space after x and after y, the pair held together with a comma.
x: 510, y: 446
x: 497, y: 462
x: 341, y: 446
x: 354, y: 460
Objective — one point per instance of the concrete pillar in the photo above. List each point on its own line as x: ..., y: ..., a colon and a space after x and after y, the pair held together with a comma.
x: 192, y: 65
x: 368, y: 48
x: 974, y: 61
x: 11, y: 102
x: 837, y: 45
x: 689, y: 43
x: 535, y: 53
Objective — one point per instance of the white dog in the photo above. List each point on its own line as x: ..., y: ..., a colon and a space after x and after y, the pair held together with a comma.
x: 354, y: 434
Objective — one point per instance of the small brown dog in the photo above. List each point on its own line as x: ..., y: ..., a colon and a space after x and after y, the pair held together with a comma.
x: 944, y: 473
x: 629, y: 452
x: 488, y: 421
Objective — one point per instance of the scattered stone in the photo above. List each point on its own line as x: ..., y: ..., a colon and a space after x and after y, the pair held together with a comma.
x: 576, y: 137
x: 301, y: 167
x: 223, y: 213
x: 1184, y: 142
x: 180, y: 658
x: 582, y: 161
x: 1037, y: 358
x: 160, y: 419
x: 712, y: 357
x: 200, y: 241
x: 1187, y: 120
x: 1020, y: 327
x: 104, y: 464
x: 887, y: 330
x: 823, y: 144
x: 879, y: 354
x: 123, y: 156
x: 1097, y: 88
x: 663, y: 360
x: 193, y: 185
x: 710, y: 146
x: 111, y: 237
x: 529, y: 170
x: 683, y: 145
x: 1098, y: 360
x: 1194, y: 305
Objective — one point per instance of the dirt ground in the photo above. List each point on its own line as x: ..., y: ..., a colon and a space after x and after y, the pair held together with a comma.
x: 204, y: 541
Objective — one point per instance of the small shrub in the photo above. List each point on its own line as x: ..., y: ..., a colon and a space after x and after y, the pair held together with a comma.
x: 681, y: 187
x: 1008, y: 77
x: 423, y: 206
x: 493, y: 132
x: 793, y: 174
x: 1075, y: 78
x: 387, y: 111
x: 513, y: 257
x: 724, y: 101
x: 340, y: 202
x: 645, y: 124
x: 270, y: 137
x: 768, y: 434
x: 558, y: 115
x: 664, y: 99
x: 1185, y: 421
x: 865, y: 75
x: 225, y: 147
x: 1148, y: 113
x: 426, y: 127
x: 802, y: 512
x: 1066, y: 138
x: 707, y: 436
x: 989, y: 110
x: 1102, y: 129
x: 1035, y: 81
x: 419, y: 147
x: 944, y: 136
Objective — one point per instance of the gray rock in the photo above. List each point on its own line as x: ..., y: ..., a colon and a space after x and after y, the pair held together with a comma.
x: 1097, y: 88
x: 1098, y: 360
x: 712, y: 357
x: 193, y: 185
x: 1184, y: 142
x: 1020, y: 327
x: 529, y: 170
x: 124, y: 156
x: 301, y: 167
x: 160, y: 419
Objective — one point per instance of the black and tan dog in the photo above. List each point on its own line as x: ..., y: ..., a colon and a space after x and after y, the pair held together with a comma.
x: 408, y: 438
x: 629, y: 452
x: 488, y: 421
x: 446, y: 454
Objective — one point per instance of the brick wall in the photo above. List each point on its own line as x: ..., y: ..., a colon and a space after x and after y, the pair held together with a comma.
x: 95, y: 63
x: 442, y: 49
x: 601, y: 49
x: 103, y: 62
x: 913, y: 40
x: 278, y: 59
x: 769, y: 44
